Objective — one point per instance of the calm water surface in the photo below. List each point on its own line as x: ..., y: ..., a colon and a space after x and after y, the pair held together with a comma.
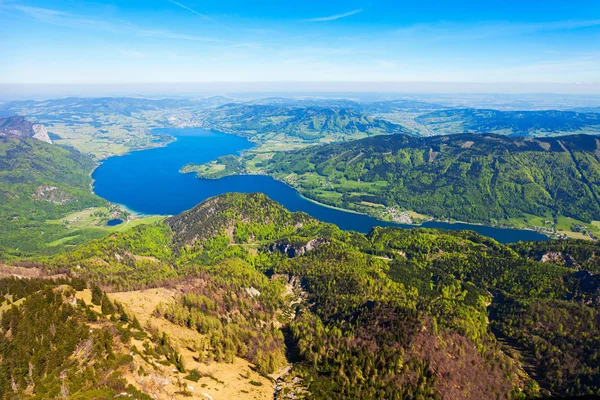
x: 149, y: 182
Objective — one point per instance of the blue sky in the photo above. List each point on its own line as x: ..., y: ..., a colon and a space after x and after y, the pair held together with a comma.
x: 230, y: 40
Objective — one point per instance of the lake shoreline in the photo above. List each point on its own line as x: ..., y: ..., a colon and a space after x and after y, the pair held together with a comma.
x: 419, y: 225
x: 151, y: 184
x: 98, y: 163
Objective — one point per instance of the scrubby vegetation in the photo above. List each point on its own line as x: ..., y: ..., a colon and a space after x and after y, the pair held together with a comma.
x: 53, y: 345
x: 235, y: 308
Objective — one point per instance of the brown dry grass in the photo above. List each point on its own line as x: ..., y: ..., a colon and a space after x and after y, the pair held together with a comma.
x: 222, y: 381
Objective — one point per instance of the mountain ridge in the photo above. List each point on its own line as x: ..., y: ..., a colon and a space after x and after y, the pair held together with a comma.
x: 17, y: 126
x: 513, y: 123
x: 372, y: 298
x: 467, y: 177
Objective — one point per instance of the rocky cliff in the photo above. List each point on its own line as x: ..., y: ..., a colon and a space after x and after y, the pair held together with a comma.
x: 18, y: 126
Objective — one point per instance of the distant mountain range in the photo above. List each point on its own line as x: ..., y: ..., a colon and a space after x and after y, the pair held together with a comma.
x: 102, y: 105
x: 309, y: 118
x: 306, y: 119
x: 511, y: 123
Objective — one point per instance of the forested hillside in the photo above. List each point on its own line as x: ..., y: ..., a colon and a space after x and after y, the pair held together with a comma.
x: 392, y: 314
x: 40, y: 182
x: 469, y: 177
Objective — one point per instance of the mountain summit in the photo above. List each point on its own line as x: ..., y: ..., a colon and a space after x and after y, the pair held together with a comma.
x: 18, y: 126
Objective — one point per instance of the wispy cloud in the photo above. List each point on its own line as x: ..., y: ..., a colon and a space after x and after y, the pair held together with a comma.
x: 66, y: 19
x: 40, y: 12
x: 166, y: 34
x: 485, y: 30
x: 191, y: 10
x: 133, y: 53
x: 334, y: 17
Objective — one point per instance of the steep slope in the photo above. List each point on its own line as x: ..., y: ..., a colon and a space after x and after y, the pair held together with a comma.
x: 393, y: 314
x: 54, y: 345
x: 59, y: 339
x: 469, y: 177
x: 514, y: 123
x: 40, y: 182
x: 20, y: 127
x: 246, y: 217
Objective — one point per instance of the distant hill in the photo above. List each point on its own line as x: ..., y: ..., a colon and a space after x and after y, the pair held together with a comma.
x: 17, y: 126
x: 390, y: 106
x: 103, y: 105
x: 468, y: 177
x: 587, y: 109
x: 512, y: 123
x: 308, y: 123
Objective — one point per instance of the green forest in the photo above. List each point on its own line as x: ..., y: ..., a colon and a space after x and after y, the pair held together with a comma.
x: 467, y: 177
x: 392, y: 314
x: 296, y: 306
x: 41, y: 182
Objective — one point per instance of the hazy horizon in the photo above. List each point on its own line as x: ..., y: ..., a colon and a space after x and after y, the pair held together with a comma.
x: 584, y: 94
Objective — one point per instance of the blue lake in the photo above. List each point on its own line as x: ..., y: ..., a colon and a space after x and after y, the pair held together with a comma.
x: 114, y: 222
x: 149, y: 182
